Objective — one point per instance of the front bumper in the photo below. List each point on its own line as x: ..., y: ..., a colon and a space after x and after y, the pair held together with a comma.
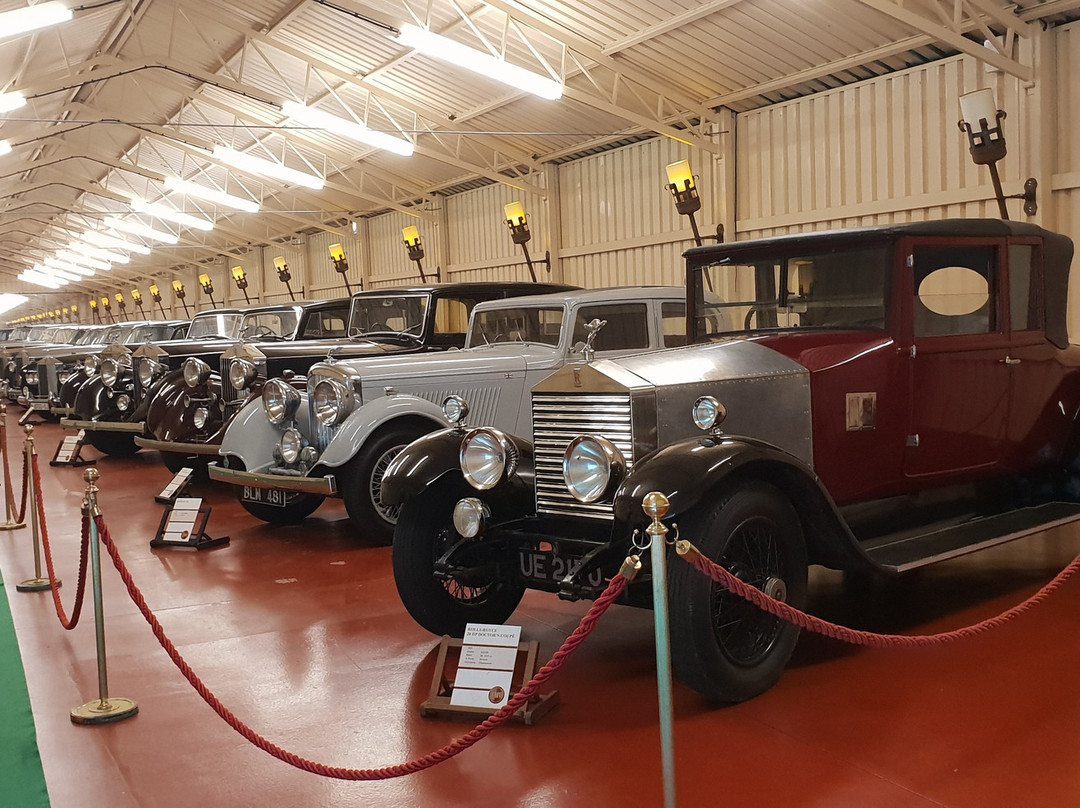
x: 61, y: 411
x: 326, y: 485
x: 103, y: 426
x: 178, y: 448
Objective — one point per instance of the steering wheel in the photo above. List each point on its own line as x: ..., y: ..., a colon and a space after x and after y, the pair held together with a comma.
x: 378, y: 327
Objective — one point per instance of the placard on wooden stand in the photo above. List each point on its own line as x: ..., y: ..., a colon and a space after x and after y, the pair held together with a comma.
x: 38, y: 408
x: 442, y: 685
x: 176, y: 487
x: 69, y: 451
x: 183, y: 524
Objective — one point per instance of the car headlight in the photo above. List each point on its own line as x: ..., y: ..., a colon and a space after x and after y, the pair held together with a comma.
x: 90, y: 365
x: 199, y: 418
x: 487, y: 457
x: 291, y: 444
x: 149, y: 370
x: 11, y: 367
x: 196, y: 371
x: 708, y: 413
x: 31, y: 377
x: 110, y: 372
x: 123, y: 402
x: 455, y: 408
x: 469, y: 516
x: 280, y: 400
x: 63, y: 375
x: 331, y: 401
x: 591, y: 467
x: 241, y: 374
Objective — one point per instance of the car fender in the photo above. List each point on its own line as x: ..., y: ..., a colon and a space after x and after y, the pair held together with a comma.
x: 251, y: 437
x: 366, y: 418
x: 92, y: 401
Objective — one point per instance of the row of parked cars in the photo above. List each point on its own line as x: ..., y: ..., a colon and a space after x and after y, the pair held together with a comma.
x: 870, y: 400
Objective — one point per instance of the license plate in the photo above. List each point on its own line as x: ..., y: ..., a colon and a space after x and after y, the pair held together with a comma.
x: 39, y: 405
x: 266, y: 496
x: 541, y: 565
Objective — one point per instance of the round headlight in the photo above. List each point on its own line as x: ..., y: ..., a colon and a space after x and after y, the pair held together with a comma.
x: 241, y: 374
x: 708, y: 412
x: 110, y: 372
x: 280, y: 400
x: 196, y: 371
x: 11, y: 367
x: 469, y: 517
x: 123, y: 402
x: 63, y: 375
x: 487, y: 457
x: 148, y: 370
x: 90, y: 365
x: 199, y: 417
x: 591, y: 466
x: 331, y: 401
x: 291, y: 444
x: 31, y: 377
x: 455, y: 408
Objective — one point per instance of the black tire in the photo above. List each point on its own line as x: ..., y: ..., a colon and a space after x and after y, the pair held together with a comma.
x: 723, y: 646
x: 361, y: 480
x: 298, y: 508
x: 425, y: 530
x: 114, y: 444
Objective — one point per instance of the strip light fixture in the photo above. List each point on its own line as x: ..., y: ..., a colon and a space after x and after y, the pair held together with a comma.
x: 30, y: 276
x: 211, y: 195
x: 5, y: 148
x: 111, y: 256
x: 140, y: 229
x: 171, y: 214
x: 113, y: 242
x: 317, y: 119
x: 267, y: 168
x: 72, y: 257
x: 56, y: 272
x: 67, y: 266
x: 31, y: 18
x: 486, y: 64
x: 11, y: 101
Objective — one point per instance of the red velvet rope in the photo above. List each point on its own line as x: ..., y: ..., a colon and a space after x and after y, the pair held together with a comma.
x: 80, y: 590
x: 7, y: 482
x: 481, y: 730
x: 854, y: 636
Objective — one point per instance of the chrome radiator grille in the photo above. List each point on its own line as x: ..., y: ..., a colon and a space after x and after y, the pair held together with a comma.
x: 228, y: 392
x: 557, y: 420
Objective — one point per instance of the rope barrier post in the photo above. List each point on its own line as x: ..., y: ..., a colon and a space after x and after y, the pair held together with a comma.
x: 38, y: 583
x: 656, y: 508
x: 9, y: 523
x: 105, y: 709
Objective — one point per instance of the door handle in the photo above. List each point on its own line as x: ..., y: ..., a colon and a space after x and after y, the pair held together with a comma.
x: 1008, y: 360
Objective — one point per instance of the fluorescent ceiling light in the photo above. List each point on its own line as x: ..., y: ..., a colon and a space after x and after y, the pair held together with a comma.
x: 41, y: 280
x: 67, y: 266
x: 485, y: 64
x: 140, y: 229
x: 78, y: 259
x: 211, y: 195
x: 171, y: 214
x: 58, y: 274
x: 318, y: 119
x: 5, y: 148
x: 9, y: 300
x: 10, y: 101
x: 22, y: 20
x: 267, y: 168
x: 96, y: 252
x: 113, y: 242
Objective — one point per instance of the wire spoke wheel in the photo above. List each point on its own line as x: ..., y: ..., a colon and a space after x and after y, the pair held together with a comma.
x: 388, y: 512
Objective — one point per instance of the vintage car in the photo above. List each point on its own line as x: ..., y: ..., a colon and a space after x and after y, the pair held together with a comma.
x: 871, y: 400
x: 288, y: 451
x: 14, y: 353
x: 136, y: 389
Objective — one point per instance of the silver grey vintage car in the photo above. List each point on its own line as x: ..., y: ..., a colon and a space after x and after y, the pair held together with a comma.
x: 292, y: 448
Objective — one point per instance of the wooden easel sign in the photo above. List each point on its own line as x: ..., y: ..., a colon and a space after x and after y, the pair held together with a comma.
x: 180, y: 481
x: 184, y: 525
x: 68, y: 451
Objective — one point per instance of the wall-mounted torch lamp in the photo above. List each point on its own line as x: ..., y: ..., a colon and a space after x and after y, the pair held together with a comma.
x: 136, y: 296
x: 241, y: 281
x: 178, y: 290
x: 520, y: 233
x: 683, y: 190
x: 155, y: 294
x: 283, y: 274
x: 94, y: 316
x: 208, y: 288
x: 74, y: 312
x: 341, y: 264
x: 410, y: 236
x: 66, y: 314
x: 121, y: 304
x: 981, y: 121
x: 105, y: 306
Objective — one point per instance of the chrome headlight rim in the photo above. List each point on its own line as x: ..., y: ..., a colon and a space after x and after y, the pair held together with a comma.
x: 110, y: 372
x: 200, y: 417
x: 280, y: 401
x: 11, y: 366
x: 123, y: 402
x: 196, y: 371
x: 31, y: 377
x: 592, y: 468
x: 487, y: 457
x: 149, y: 370
x: 708, y: 413
x: 331, y: 402
x: 469, y: 516
x: 242, y: 373
x: 291, y: 446
x: 90, y: 364
x: 455, y: 409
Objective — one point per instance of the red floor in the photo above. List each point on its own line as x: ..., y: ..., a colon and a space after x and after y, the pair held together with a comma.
x: 299, y: 631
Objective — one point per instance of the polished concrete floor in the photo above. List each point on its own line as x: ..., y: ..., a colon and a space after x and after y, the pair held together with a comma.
x: 299, y: 631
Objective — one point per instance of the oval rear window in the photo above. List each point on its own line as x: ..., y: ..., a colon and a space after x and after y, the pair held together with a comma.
x: 954, y: 291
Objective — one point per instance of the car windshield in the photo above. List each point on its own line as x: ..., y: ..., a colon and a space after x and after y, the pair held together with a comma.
x: 389, y: 314
x: 837, y: 288
x: 90, y: 336
x: 215, y: 325
x: 276, y: 324
x: 111, y: 335
x: 154, y: 332
x: 516, y: 324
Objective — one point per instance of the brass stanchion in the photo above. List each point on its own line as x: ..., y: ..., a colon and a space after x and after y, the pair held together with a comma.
x: 104, y: 709
x: 38, y: 583
x: 9, y: 523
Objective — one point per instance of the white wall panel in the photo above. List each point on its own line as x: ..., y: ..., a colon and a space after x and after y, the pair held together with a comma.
x: 390, y: 264
x: 321, y: 280
x: 1068, y: 99
x: 295, y: 255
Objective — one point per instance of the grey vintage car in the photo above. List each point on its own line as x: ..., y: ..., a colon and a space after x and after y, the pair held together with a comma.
x: 290, y: 449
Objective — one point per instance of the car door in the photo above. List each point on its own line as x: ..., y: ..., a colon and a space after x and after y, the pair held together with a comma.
x: 959, y: 347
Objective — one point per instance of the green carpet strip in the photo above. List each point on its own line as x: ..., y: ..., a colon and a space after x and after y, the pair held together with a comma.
x: 22, y: 782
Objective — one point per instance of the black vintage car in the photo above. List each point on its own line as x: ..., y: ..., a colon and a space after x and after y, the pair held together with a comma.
x: 14, y: 352
x: 186, y: 417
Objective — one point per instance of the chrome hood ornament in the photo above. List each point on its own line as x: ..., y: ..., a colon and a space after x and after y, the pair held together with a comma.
x: 593, y: 328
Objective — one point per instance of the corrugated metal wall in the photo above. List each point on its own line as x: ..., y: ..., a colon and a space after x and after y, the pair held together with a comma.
x: 479, y: 243
x: 390, y: 264
x: 1066, y: 179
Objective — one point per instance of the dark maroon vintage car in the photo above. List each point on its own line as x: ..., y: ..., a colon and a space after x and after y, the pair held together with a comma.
x: 870, y: 400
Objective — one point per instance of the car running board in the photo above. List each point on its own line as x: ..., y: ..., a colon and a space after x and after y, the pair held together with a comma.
x: 907, y: 553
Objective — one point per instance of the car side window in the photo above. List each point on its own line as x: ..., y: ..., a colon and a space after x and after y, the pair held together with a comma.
x: 627, y: 326
x: 324, y: 324
x: 1023, y: 289
x: 452, y: 316
x: 955, y: 290
x: 673, y: 320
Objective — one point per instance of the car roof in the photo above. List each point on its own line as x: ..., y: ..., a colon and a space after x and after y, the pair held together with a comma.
x: 585, y: 296
x: 461, y: 288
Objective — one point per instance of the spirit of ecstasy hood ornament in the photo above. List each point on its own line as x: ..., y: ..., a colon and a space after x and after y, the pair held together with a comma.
x: 593, y: 328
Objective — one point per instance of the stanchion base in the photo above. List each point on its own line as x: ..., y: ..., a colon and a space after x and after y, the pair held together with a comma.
x: 104, y: 712
x: 36, y: 585
x: 12, y: 525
